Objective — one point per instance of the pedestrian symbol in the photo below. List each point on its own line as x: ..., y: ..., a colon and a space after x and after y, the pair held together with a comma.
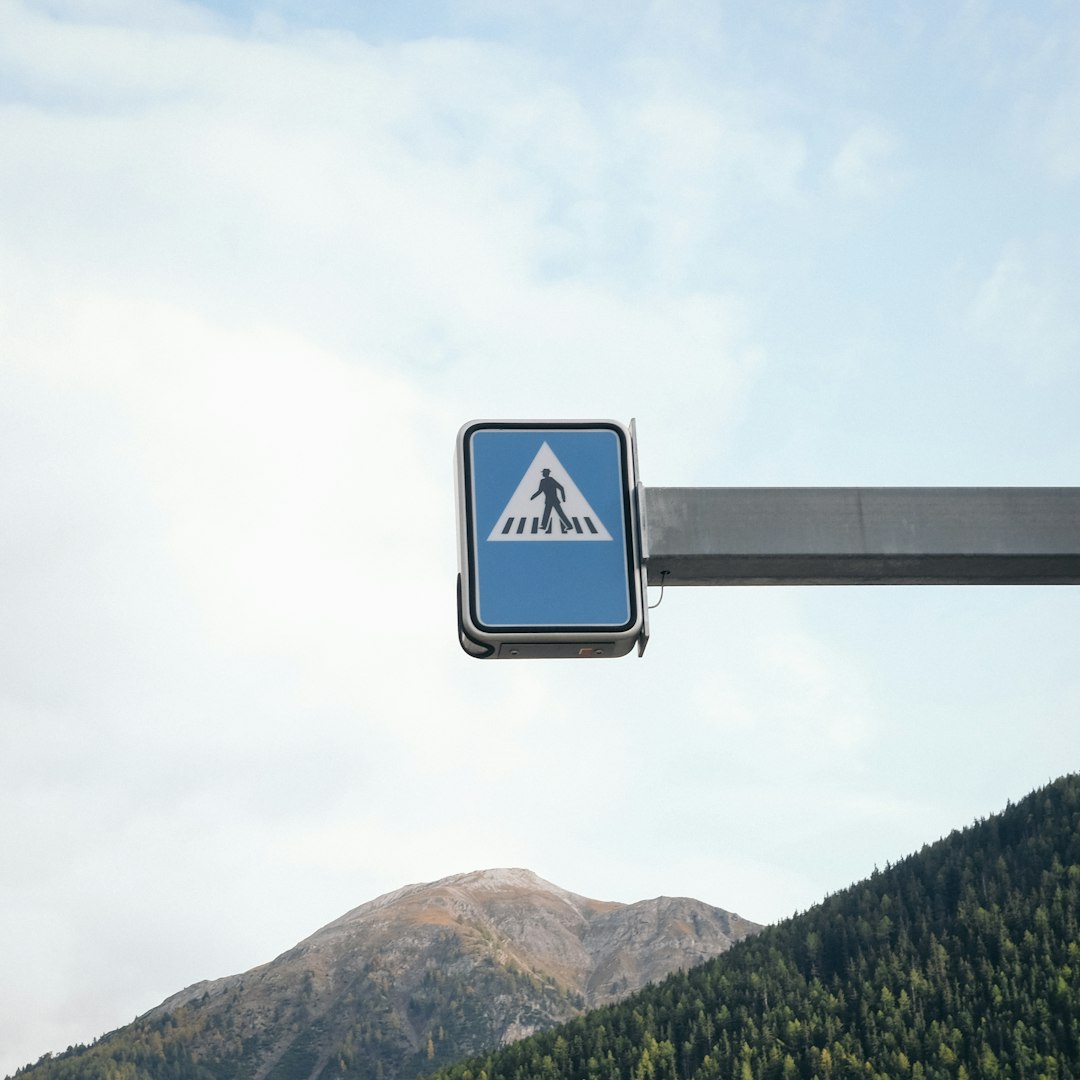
x: 548, y: 505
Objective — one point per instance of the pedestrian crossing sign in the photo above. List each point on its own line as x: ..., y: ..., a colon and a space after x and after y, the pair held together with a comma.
x: 548, y: 549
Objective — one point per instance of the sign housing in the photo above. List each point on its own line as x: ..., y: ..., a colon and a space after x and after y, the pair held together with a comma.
x: 548, y: 539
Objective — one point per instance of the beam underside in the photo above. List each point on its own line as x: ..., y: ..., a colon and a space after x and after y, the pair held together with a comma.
x: 861, y: 536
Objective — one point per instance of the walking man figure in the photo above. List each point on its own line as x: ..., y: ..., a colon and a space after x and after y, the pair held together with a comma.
x: 552, y: 491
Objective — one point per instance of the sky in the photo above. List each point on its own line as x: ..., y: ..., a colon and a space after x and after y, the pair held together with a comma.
x: 261, y: 260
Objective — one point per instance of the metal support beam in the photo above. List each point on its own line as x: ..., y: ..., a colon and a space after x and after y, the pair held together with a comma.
x: 861, y: 536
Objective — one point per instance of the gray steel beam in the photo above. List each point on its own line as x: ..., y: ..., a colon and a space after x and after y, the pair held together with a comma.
x: 861, y: 536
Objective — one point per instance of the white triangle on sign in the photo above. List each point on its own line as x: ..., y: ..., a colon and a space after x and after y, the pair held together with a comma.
x: 548, y: 507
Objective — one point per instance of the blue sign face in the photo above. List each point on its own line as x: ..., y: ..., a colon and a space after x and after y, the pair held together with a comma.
x: 548, y: 528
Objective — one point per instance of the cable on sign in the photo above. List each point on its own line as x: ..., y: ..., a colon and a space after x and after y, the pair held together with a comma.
x: 663, y: 574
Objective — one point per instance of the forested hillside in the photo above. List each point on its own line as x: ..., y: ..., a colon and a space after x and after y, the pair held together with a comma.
x: 961, y: 961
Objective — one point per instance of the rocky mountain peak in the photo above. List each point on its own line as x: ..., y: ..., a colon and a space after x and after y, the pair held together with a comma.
x: 434, y: 971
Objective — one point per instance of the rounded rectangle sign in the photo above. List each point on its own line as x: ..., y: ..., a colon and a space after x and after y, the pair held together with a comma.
x: 548, y: 545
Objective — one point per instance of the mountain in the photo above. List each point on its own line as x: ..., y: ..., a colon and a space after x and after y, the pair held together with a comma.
x: 960, y: 962
x: 406, y: 982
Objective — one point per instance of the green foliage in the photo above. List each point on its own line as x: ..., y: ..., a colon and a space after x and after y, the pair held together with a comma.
x: 961, y: 961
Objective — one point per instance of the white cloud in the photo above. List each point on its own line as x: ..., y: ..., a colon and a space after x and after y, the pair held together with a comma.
x: 811, y: 700
x: 1059, y: 140
x: 436, y: 204
x: 865, y: 166
x: 1026, y: 311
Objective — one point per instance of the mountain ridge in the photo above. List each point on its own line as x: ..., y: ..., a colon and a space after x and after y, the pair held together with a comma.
x: 415, y: 978
x: 451, y: 902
